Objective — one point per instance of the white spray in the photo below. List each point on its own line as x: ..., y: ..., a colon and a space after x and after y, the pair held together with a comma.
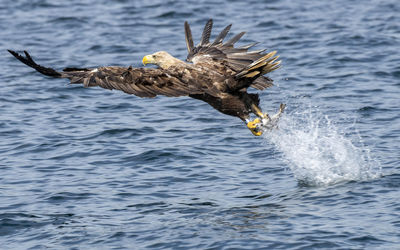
x: 318, y: 153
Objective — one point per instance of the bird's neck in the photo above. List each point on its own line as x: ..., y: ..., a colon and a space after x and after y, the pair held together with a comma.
x: 171, y: 61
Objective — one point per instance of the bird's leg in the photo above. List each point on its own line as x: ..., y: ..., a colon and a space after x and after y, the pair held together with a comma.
x: 263, y: 121
x: 257, y: 110
x: 254, y: 126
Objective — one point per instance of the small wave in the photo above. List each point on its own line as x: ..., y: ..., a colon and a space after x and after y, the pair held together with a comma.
x: 319, y: 153
x: 11, y: 223
x: 174, y: 14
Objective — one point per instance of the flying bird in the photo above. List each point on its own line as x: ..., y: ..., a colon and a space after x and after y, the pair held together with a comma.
x: 216, y: 72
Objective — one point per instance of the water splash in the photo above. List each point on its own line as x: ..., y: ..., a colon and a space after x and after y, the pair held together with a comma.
x: 319, y: 153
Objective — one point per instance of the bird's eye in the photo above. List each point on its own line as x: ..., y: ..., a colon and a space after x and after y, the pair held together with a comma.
x: 154, y: 56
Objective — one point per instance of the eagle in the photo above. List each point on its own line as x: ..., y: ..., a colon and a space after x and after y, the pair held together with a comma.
x: 216, y: 72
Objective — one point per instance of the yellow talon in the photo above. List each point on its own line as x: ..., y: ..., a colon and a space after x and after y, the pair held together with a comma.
x: 253, y: 126
x: 256, y: 133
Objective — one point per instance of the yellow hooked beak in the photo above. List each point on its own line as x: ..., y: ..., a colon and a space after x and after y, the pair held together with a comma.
x: 147, y: 59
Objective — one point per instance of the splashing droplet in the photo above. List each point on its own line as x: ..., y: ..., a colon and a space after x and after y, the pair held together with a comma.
x: 318, y: 153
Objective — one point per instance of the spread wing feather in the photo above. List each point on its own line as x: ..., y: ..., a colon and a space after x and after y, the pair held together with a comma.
x: 142, y: 82
x: 218, y: 40
x: 246, y: 64
x: 205, y: 37
x: 188, y: 37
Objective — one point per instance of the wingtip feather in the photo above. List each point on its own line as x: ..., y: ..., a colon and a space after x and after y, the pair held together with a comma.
x: 234, y: 39
x: 222, y: 35
x: 205, y: 37
x: 188, y: 37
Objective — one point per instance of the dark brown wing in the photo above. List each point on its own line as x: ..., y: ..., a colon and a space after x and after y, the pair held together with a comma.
x: 143, y: 82
x: 245, y: 64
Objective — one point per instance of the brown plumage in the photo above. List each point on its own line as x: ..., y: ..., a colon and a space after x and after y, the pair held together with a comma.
x: 219, y: 74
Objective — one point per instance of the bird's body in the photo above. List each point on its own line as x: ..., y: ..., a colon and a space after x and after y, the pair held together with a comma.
x: 219, y: 75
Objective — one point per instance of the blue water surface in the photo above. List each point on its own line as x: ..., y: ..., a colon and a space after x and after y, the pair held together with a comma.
x: 88, y: 168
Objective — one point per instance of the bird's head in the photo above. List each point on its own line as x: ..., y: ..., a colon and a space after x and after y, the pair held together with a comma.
x: 160, y: 58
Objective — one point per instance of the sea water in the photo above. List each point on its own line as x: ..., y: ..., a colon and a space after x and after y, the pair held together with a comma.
x: 88, y: 168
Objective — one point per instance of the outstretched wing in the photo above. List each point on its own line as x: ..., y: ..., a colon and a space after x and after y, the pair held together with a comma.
x: 246, y: 64
x: 142, y: 82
